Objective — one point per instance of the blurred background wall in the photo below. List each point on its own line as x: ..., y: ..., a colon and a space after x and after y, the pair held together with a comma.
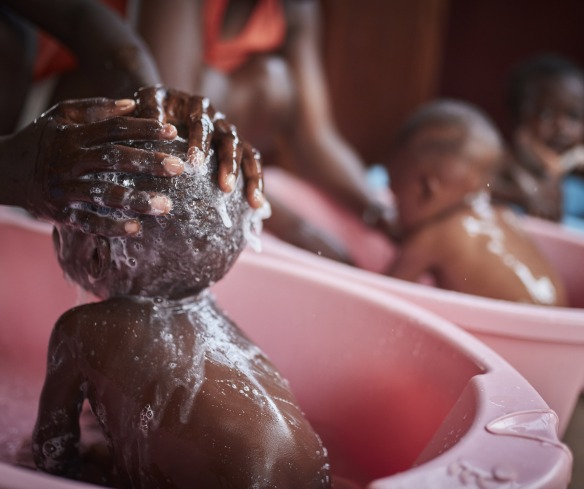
x: 386, y: 57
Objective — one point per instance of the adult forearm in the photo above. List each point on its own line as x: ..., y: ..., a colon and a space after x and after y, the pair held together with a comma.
x: 335, y: 166
x: 100, y: 39
x: 178, y: 51
x: 13, y: 174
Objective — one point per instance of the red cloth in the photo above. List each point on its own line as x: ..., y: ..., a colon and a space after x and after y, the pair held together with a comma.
x: 264, y: 32
x: 52, y: 57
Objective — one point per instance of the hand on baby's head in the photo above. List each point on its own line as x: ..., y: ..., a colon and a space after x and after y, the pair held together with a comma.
x: 174, y: 255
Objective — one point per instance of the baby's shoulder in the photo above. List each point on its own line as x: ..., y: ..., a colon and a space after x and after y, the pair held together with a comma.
x: 95, y: 317
x: 450, y: 235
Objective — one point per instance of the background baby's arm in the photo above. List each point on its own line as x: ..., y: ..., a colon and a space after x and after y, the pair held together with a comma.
x: 56, y: 434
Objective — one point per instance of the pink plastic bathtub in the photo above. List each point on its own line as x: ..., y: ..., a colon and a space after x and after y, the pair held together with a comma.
x: 401, y: 397
x: 546, y: 345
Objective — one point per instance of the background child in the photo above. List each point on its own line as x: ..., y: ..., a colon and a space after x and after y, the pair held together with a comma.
x: 259, y: 62
x: 546, y: 101
x: 446, y: 156
x: 182, y: 396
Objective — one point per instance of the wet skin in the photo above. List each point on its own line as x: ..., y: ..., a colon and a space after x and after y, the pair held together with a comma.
x: 182, y: 396
x: 440, y: 178
x: 482, y: 252
x: 158, y: 361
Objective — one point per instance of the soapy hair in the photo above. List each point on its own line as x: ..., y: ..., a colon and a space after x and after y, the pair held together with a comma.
x: 445, y: 112
x: 173, y: 255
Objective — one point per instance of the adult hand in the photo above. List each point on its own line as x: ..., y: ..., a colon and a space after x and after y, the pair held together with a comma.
x: 48, y: 162
x: 207, y: 127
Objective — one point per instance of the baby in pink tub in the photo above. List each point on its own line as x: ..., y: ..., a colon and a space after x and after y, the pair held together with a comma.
x: 182, y: 396
x: 445, y: 159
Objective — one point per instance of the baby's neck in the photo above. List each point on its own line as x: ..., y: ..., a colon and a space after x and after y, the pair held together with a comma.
x: 183, y: 303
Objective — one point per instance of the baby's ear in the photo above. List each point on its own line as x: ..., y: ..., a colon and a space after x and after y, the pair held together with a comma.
x: 430, y: 186
x: 100, y: 258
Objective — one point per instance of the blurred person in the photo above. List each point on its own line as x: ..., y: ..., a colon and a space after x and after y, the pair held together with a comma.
x: 446, y: 155
x: 546, y: 102
x: 259, y: 62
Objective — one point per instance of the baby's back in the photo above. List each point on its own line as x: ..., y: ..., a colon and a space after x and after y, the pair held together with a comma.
x: 483, y: 251
x: 185, y: 399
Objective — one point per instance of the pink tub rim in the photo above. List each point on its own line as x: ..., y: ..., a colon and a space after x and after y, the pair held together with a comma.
x: 572, y: 319
x: 440, y: 470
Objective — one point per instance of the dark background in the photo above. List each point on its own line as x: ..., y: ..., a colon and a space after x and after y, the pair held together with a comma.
x: 386, y: 57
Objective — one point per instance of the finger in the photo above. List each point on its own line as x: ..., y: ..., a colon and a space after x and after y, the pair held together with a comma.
x: 111, y: 195
x: 127, y: 160
x: 124, y: 129
x: 192, y: 112
x: 200, y: 130
x: 178, y: 105
x: 94, y: 109
x: 92, y: 223
x: 254, y: 180
x: 229, y: 153
x: 150, y: 102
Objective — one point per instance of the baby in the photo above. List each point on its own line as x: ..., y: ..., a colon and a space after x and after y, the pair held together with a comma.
x: 445, y: 158
x: 183, y: 397
x: 546, y: 101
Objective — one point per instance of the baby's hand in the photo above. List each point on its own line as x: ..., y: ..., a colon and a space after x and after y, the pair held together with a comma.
x: 77, y: 138
x: 539, y: 158
x: 545, y: 201
x: 206, y: 126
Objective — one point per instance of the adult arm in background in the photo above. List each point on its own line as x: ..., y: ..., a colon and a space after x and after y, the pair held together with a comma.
x: 326, y: 158
x: 111, y: 55
x: 43, y: 165
x: 184, y: 41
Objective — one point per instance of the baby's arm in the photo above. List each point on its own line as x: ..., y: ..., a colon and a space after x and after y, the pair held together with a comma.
x: 55, y: 441
x: 415, y: 256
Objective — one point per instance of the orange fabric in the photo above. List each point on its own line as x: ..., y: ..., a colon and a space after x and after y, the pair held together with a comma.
x: 264, y: 32
x: 52, y: 57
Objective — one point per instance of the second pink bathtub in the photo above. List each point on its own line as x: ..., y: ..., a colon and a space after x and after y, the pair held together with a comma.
x: 545, y: 344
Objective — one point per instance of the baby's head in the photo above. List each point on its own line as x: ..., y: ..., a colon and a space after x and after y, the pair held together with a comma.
x: 174, y: 255
x: 444, y: 152
x: 546, y: 96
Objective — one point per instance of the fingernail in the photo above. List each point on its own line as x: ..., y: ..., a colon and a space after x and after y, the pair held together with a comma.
x: 258, y: 198
x: 196, y: 156
x: 132, y: 227
x: 160, y: 205
x: 169, y: 131
x: 173, y: 165
x: 124, y: 103
x: 230, y: 182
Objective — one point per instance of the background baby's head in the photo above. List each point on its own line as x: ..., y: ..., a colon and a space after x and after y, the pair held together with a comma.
x: 546, y: 96
x: 173, y: 255
x: 444, y: 152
